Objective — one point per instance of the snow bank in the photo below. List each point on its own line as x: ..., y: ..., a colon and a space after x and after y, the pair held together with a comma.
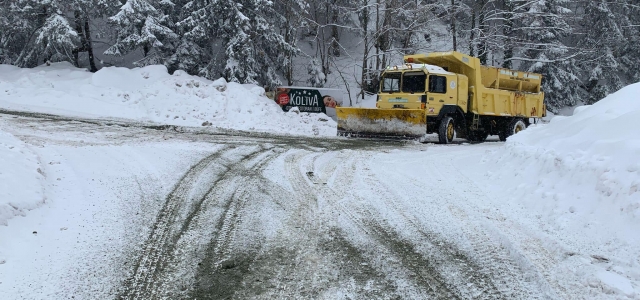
x: 151, y: 94
x: 578, y: 179
x: 20, y: 186
x: 583, y: 169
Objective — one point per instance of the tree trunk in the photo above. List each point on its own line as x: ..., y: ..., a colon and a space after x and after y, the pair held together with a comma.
x: 78, y: 26
x: 377, y: 32
x: 335, y: 35
x: 364, y: 85
x: 453, y: 25
x: 472, y: 38
x: 287, y: 31
x: 508, y: 34
x: 482, y: 49
x: 322, y: 46
x: 88, y: 45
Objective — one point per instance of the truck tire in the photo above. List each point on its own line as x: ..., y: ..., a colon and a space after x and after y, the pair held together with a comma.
x: 516, y: 125
x: 446, y: 130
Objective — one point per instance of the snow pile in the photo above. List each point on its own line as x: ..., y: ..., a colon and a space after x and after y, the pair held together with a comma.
x: 20, y: 186
x: 578, y: 179
x: 582, y: 170
x: 151, y: 94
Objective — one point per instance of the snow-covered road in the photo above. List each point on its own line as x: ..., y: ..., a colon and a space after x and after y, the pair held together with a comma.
x: 145, y: 212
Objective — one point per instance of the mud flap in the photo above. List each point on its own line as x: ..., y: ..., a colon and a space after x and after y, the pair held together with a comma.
x: 381, y: 122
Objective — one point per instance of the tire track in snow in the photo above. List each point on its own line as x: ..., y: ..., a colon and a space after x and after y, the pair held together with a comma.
x: 158, y: 250
x: 420, y: 269
x: 420, y: 272
x: 315, y: 249
x: 232, y: 211
x: 404, y: 255
x: 443, y: 256
x: 490, y: 257
x: 219, y: 254
x: 227, y: 194
x: 304, y: 208
x: 154, y: 251
x: 497, y: 256
x: 285, y: 265
x: 537, y: 262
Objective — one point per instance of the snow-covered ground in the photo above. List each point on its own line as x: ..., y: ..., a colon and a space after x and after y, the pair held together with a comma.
x: 76, y: 209
x: 579, y: 176
x: 150, y: 94
x: 20, y: 179
x: 582, y: 168
x: 94, y: 211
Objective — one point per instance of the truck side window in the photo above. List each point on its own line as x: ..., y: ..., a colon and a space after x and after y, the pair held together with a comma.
x: 437, y: 84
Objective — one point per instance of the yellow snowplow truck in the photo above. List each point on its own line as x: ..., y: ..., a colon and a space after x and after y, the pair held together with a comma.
x: 451, y: 94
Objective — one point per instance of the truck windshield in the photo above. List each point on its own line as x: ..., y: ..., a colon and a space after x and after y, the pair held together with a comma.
x: 413, y: 82
x: 391, y: 82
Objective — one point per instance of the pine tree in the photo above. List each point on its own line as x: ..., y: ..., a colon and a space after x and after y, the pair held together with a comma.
x: 545, y: 53
x: 602, y: 41
x: 45, y: 34
x: 6, y: 34
x: 240, y: 65
x: 194, y: 48
x: 56, y: 39
x: 631, y: 41
x: 290, y: 18
x: 316, y: 77
x: 225, y: 24
x: 233, y: 39
x: 509, y: 16
x: 142, y: 26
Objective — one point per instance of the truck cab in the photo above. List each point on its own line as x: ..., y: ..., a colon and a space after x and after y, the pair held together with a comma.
x: 421, y: 86
x: 403, y: 89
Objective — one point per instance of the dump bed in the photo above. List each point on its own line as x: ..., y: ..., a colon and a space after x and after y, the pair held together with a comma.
x: 505, y: 79
x: 493, y: 91
x: 509, y: 93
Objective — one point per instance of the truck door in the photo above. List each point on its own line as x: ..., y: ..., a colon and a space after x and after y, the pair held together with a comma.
x: 451, y: 97
x: 442, y: 91
x: 437, y: 93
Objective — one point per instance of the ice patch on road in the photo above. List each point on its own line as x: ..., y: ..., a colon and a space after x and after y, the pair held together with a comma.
x: 151, y: 94
x: 20, y: 181
x: 616, y: 282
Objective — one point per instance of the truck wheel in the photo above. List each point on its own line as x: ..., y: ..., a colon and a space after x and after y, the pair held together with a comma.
x: 446, y: 130
x: 516, y: 125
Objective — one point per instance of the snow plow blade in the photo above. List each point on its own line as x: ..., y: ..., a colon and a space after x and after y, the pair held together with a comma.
x: 373, y: 122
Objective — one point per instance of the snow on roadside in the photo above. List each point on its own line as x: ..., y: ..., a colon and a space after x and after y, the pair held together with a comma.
x: 102, y: 200
x: 20, y: 179
x: 151, y: 94
x: 580, y: 176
